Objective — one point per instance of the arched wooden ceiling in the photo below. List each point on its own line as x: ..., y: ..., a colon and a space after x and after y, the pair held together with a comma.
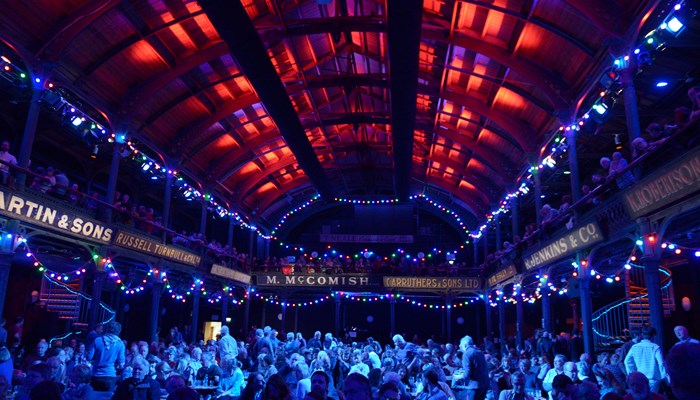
x: 264, y: 101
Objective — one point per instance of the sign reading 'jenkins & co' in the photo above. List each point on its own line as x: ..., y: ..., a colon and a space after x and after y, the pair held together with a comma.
x: 575, y: 240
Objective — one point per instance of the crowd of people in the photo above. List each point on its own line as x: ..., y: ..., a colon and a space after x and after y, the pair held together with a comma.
x: 611, y: 174
x: 262, y: 366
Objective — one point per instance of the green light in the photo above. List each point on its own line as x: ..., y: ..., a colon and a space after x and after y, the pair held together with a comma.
x: 95, y: 257
x: 22, y: 75
x: 650, y: 40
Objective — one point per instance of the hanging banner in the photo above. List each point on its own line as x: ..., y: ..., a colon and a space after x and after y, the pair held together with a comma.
x: 46, y: 214
x: 430, y: 283
x: 139, y: 243
x: 228, y: 273
x: 667, y: 184
x: 502, y: 275
x: 318, y: 280
x: 574, y: 240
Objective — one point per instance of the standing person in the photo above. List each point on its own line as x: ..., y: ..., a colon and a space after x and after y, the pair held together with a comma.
x: 476, y: 373
x: 683, y: 336
x: 227, y: 344
x: 7, y: 160
x: 646, y: 357
x: 108, y: 356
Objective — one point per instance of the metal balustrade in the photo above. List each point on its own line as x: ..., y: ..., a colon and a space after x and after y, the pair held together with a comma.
x: 67, y: 300
x: 611, y: 323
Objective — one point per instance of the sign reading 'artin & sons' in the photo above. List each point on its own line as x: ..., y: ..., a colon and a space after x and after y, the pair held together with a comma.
x: 39, y: 212
x: 672, y: 182
x: 147, y: 246
x: 577, y: 239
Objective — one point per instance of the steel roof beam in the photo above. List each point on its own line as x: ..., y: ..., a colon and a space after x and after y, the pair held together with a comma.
x: 404, y: 20
x: 235, y: 27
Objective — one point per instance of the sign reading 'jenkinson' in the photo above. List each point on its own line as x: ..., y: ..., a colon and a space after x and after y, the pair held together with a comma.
x: 670, y: 183
x: 577, y: 239
x: 414, y: 282
x: 36, y: 211
x: 125, y: 239
x: 315, y: 280
x: 502, y: 275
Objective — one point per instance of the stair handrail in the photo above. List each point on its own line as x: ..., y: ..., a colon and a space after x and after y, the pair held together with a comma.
x: 645, y: 292
x: 108, y: 309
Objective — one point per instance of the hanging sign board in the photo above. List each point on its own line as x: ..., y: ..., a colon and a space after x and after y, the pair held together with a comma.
x: 151, y: 247
x: 46, y: 214
x: 228, y: 273
x: 502, y: 275
x: 348, y: 238
x: 430, y: 283
x: 318, y: 280
x: 574, y: 240
x: 667, y: 184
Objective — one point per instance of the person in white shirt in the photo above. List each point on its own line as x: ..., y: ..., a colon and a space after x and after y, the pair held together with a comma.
x: 646, y: 357
x: 559, y: 361
x: 227, y: 344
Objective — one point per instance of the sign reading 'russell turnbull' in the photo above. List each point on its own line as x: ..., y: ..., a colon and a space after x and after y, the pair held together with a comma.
x: 575, y: 240
x: 125, y: 239
x: 668, y: 184
x: 40, y: 212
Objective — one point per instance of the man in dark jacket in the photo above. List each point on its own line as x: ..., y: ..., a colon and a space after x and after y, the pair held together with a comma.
x: 140, y: 386
x: 476, y: 373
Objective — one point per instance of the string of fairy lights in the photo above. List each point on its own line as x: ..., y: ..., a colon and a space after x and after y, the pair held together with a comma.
x: 363, y: 298
x: 653, y: 42
x: 527, y: 294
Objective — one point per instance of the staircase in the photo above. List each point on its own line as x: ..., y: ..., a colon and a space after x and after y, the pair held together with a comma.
x: 611, y: 323
x: 69, y: 303
x: 62, y: 299
x: 635, y: 288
